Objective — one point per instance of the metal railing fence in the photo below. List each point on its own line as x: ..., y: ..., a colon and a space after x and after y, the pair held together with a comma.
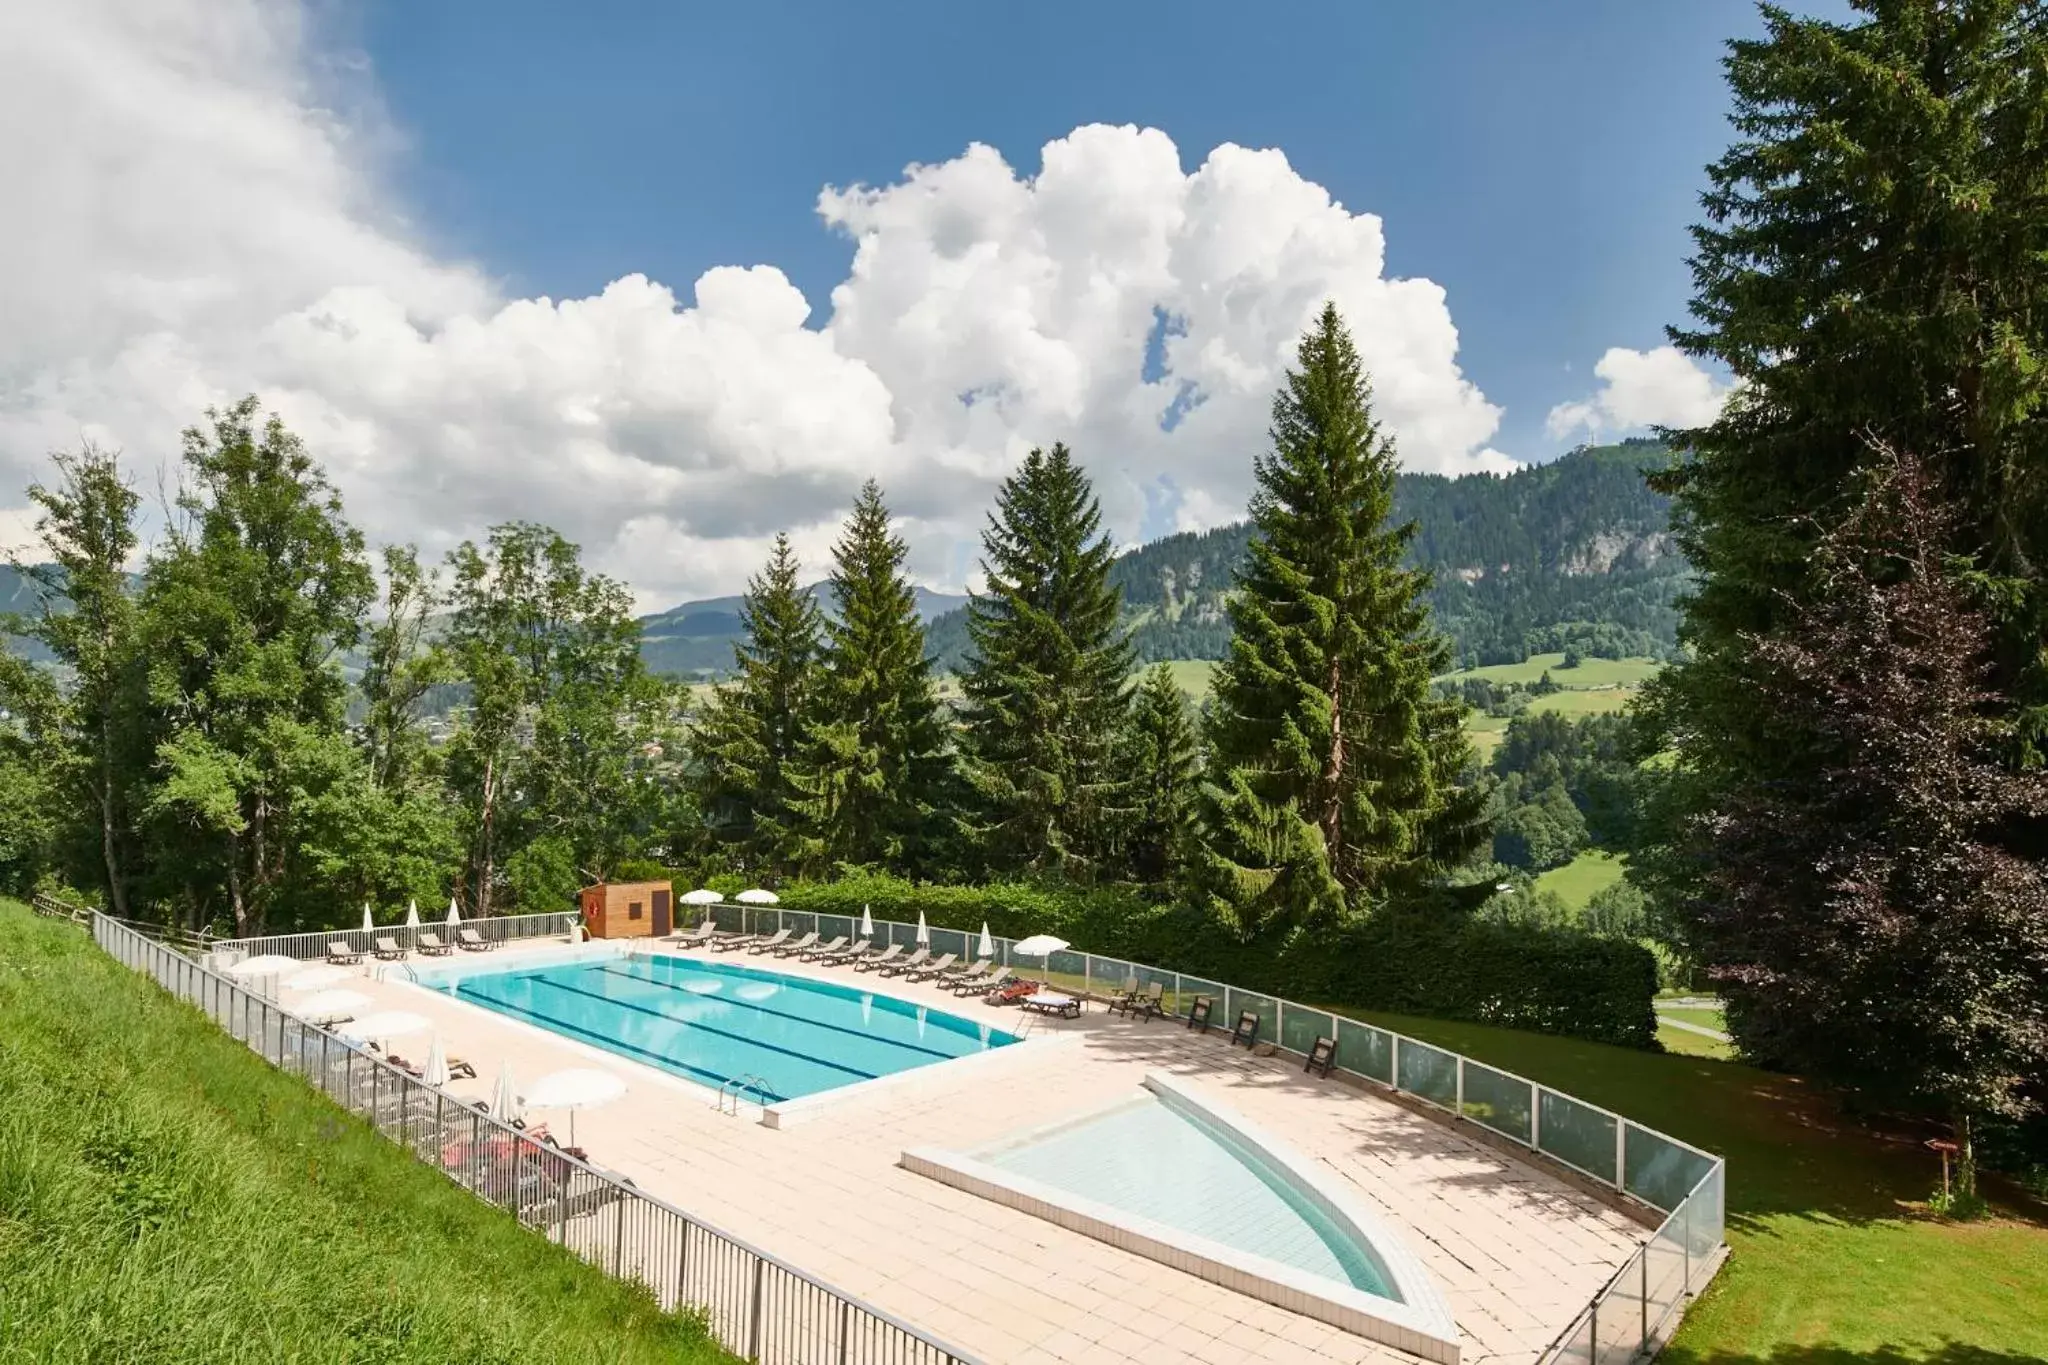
x: 493, y: 929
x: 1634, y: 1313
x: 759, y: 1307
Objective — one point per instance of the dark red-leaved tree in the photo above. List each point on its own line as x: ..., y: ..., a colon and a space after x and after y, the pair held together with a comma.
x: 1859, y: 908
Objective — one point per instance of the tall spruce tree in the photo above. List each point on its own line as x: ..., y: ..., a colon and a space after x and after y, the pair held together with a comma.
x: 1874, y: 271
x: 1334, y: 766
x: 753, y: 732
x: 1162, y: 761
x: 1045, y: 681
x: 877, y: 766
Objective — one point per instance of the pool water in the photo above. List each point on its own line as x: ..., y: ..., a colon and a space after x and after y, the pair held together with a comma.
x: 1167, y: 1164
x: 715, y: 1022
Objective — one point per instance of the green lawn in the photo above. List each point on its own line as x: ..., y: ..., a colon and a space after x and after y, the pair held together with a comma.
x: 1835, y: 1262
x: 1595, y: 702
x: 1705, y: 1018
x: 1192, y: 675
x: 1575, y: 883
x: 1589, y: 673
x: 166, y: 1196
x: 1689, y: 1044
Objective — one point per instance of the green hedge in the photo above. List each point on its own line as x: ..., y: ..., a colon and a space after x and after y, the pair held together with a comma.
x: 1434, y: 961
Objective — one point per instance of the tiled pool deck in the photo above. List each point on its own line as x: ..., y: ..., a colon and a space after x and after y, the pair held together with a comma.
x: 1516, y: 1251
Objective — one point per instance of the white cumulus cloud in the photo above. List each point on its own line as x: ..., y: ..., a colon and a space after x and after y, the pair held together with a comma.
x: 199, y: 214
x: 1639, y: 389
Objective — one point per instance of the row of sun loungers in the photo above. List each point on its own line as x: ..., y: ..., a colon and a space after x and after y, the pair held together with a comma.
x: 386, y: 948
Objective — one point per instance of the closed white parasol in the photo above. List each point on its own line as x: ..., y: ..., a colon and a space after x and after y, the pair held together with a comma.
x: 435, y: 1072
x: 924, y: 932
x: 412, y: 914
x: 454, y: 915
x: 867, y: 923
x: 987, y: 946
x: 368, y: 922
x: 577, y: 1088
x: 504, y: 1098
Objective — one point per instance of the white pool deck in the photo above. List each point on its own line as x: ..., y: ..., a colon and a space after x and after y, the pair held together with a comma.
x: 1516, y: 1251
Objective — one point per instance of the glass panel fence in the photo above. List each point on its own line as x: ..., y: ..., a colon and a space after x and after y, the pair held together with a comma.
x: 837, y: 926
x: 1111, y: 976
x: 1429, y: 1072
x: 1659, y: 1171
x: 1064, y: 971
x: 1618, y: 1322
x: 1301, y: 1026
x: 1498, y: 1101
x: 1366, y: 1050
x: 1236, y: 1002
x: 1577, y: 1134
x: 1665, y: 1275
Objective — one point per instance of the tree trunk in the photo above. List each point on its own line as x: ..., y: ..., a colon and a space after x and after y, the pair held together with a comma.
x: 483, y: 880
x: 117, y: 889
x: 1333, y: 777
x: 1966, y: 1159
x: 241, y: 907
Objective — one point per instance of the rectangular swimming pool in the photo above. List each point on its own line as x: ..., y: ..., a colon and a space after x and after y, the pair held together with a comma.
x: 714, y: 1022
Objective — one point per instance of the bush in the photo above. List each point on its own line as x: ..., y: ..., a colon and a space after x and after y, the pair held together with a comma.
x: 1429, y: 959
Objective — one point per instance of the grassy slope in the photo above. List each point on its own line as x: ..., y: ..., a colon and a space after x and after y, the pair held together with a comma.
x: 1833, y: 1264
x: 1576, y: 882
x: 166, y: 1196
x: 1589, y: 673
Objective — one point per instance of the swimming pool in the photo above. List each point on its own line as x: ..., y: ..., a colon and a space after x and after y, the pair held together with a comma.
x: 714, y: 1021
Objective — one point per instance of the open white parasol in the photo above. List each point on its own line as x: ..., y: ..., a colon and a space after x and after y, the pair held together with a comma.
x: 269, y: 964
x: 756, y: 896
x: 577, y: 1088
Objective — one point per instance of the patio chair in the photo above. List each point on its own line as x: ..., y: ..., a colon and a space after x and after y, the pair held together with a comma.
x: 798, y: 945
x: 1146, y: 1003
x: 908, y: 964
x: 823, y: 950
x: 887, y: 955
x: 1247, y: 1030
x: 1125, y: 994
x: 470, y: 941
x: 431, y: 944
x: 937, y: 967
x: 770, y: 943
x: 340, y: 954
x: 386, y: 948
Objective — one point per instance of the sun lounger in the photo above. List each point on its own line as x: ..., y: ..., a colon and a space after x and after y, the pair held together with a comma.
x: 823, y: 950
x: 972, y: 984
x: 470, y: 941
x: 938, y: 966
x: 852, y: 952
x: 386, y: 948
x: 972, y: 975
x: 797, y: 945
x: 1052, y: 1003
x: 770, y: 943
x: 887, y: 955
x: 732, y: 942
x: 431, y: 944
x: 908, y: 964
x: 697, y: 936
x: 1010, y: 991
x: 341, y: 954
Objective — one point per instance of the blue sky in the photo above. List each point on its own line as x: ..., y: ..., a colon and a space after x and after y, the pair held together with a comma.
x: 675, y: 279
x: 1540, y: 161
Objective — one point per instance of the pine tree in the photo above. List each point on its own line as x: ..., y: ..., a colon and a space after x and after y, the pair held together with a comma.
x: 1874, y: 265
x: 1045, y: 680
x: 1163, y: 762
x: 1335, y: 766
x: 754, y: 729
x: 876, y: 767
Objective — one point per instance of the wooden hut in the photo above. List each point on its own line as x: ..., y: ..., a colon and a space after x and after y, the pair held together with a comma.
x: 628, y: 909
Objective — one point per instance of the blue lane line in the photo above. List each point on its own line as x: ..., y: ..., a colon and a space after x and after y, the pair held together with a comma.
x: 603, y: 1040
x: 740, y: 1038
x: 779, y: 1014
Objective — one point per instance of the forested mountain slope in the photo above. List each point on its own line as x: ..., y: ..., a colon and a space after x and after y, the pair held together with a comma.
x: 1573, y: 554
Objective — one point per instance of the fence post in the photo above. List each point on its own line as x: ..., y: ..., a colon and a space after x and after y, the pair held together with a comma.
x: 1685, y: 1240
x: 1536, y: 1116
x: 754, y: 1328
x: 845, y: 1329
x: 1461, y: 1086
x: 1621, y: 1153
x: 1643, y: 1257
x: 618, y: 1237
x: 1394, y: 1062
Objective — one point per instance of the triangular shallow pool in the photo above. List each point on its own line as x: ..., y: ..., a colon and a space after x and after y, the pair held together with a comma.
x: 1168, y: 1164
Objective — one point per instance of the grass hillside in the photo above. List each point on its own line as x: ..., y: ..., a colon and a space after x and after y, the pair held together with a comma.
x: 166, y: 1196
x: 1836, y: 1261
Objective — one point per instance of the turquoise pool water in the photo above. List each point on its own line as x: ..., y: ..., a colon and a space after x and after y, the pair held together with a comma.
x: 715, y: 1021
x: 1169, y: 1165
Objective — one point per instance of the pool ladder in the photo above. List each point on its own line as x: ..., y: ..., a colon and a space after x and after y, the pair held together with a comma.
x: 739, y: 1086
